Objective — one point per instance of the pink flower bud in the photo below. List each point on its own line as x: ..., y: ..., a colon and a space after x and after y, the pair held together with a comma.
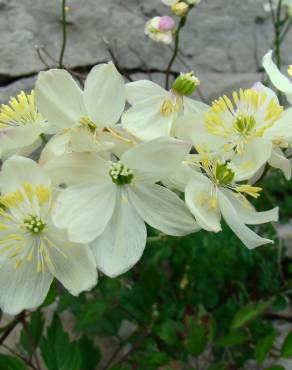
x: 166, y: 23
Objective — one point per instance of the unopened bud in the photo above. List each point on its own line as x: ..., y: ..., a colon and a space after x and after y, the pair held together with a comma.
x: 166, y: 23
x: 180, y: 8
x: 186, y: 84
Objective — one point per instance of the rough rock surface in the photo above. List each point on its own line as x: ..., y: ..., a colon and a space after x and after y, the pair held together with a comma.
x: 221, y: 36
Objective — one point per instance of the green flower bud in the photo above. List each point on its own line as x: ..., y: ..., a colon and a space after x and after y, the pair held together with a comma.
x: 186, y: 84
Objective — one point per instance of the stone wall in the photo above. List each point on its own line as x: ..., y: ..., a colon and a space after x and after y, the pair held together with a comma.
x: 224, y: 40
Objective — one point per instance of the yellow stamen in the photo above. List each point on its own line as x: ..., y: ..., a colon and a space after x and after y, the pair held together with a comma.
x: 20, y: 111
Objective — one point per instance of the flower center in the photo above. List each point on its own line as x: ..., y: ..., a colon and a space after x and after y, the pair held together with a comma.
x: 120, y: 174
x: 172, y: 104
x: 249, y: 115
x: 34, y: 224
x: 87, y: 123
x: 243, y: 125
x: 222, y: 174
x: 20, y: 111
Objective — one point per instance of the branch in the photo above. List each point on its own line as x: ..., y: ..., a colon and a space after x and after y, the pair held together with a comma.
x: 181, y: 25
x: 64, y: 34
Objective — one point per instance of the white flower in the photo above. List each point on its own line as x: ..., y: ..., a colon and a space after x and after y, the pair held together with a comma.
x: 281, y: 82
x: 160, y: 29
x: 113, y: 201
x: 33, y: 250
x: 81, y: 118
x: 169, y: 2
x: 20, y: 126
x: 215, y: 193
x: 154, y: 110
x: 250, y: 127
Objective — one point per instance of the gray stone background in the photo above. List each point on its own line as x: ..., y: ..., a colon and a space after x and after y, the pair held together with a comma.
x: 223, y: 42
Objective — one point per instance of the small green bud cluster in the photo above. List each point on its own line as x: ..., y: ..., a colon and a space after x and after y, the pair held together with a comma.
x: 223, y: 174
x: 120, y: 174
x: 186, y: 84
x: 34, y: 224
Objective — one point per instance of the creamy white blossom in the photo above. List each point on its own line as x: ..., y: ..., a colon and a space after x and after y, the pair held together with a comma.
x: 110, y: 205
x: 154, y: 109
x: 83, y: 120
x: 213, y: 193
x: 32, y: 250
x: 160, y: 29
x: 250, y: 127
x: 20, y: 126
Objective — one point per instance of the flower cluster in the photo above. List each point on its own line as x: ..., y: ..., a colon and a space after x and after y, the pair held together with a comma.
x: 105, y: 171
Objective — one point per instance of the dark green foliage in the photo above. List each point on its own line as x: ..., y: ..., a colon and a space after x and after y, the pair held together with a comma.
x: 57, y: 350
x: 11, y: 363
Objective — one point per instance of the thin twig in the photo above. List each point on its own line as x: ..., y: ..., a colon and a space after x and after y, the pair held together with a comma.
x: 28, y: 362
x: 135, y: 346
x: 181, y: 24
x: 9, y: 328
x: 64, y: 33
x: 31, y: 343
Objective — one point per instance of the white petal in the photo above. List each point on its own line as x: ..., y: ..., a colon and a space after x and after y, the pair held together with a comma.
x: 18, y: 170
x: 278, y: 160
x: 255, y: 155
x: 22, y: 287
x: 197, y: 195
x: 247, y: 213
x: 179, y: 178
x: 194, y: 106
x: 155, y: 159
x: 57, y: 146
x: 104, y: 95
x: 122, y: 244
x: 145, y: 120
x: 249, y: 238
x: 162, y: 209
x: 59, y: 98
x: 192, y: 127
x: 78, y: 168
x: 169, y: 2
x: 14, y: 139
x: 282, y: 128
x: 281, y: 82
x: 84, y: 210
x: 73, y: 265
x: 139, y: 91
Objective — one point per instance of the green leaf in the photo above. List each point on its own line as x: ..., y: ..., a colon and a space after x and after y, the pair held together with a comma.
x: 276, y: 367
x: 57, y: 350
x: 264, y: 346
x: 89, y: 353
x: 51, y: 296
x: 11, y: 363
x: 92, y: 312
x: 247, y: 314
x: 287, y: 346
x: 196, y: 339
x: 231, y: 339
x: 31, y: 336
x: 219, y: 366
x: 167, y: 331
